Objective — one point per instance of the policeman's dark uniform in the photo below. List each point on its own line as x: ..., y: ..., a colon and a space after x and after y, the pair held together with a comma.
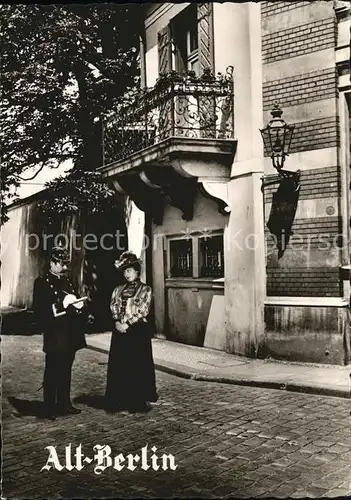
x: 63, y: 336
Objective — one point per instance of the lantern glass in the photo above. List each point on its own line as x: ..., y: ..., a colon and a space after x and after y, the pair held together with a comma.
x: 277, y: 136
x: 267, y: 142
x: 289, y: 132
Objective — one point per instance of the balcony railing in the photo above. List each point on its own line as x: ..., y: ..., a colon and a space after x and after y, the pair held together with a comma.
x: 177, y: 106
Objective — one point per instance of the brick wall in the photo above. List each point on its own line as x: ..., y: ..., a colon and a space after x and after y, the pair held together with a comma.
x: 312, y: 270
x: 320, y: 183
x: 314, y: 134
x: 313, y: 242
x: 301, y: 89
x: 299, y: 40
x: 293, y: 282
x: 313, y: 233
x: 275, y: 7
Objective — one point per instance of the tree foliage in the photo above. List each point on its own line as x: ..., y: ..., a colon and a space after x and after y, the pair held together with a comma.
x: 85, y: 193
x: 62, y: 67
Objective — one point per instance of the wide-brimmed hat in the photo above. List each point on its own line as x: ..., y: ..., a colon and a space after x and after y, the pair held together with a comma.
x: 60, y: 253
x: 127, y: 259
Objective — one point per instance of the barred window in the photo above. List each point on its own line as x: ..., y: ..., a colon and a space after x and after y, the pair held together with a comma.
x: 211, y: 257
x: 181, y: 254
x: 201, y: 256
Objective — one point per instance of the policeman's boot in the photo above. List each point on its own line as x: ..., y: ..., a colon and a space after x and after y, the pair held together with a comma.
x: 49, y: 403
x: 50, y: 410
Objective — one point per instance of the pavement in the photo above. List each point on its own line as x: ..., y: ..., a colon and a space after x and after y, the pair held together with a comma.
x: 227, y: 441
x: 203, y: 364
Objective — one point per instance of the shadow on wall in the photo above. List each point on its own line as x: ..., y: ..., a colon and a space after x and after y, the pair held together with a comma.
x: 282, y: 215
x: 99, y: 274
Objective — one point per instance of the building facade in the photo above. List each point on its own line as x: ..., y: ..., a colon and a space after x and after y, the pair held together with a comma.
x: 306, y: 67
x: 241, y: 260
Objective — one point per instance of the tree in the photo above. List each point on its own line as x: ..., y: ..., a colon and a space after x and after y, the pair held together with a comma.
x: 83, y: 193
x: 62, y: 67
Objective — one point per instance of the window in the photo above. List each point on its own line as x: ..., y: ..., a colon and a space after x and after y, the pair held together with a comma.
x: 211, y: 257
x: 185, y: 54
x: 186, y: 43
x: 181, y: 258
x: 196, y: 257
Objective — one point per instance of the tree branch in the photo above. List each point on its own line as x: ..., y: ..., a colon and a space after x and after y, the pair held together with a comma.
x: 36, y: 173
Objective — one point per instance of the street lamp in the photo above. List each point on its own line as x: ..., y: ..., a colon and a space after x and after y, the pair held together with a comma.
x: 277, y: 137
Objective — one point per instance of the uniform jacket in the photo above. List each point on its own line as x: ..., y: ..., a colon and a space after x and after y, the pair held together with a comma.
x: 63, y: 333
x: 137, y: 307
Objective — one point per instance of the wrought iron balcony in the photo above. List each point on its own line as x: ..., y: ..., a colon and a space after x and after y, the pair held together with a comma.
x: 177, y: 106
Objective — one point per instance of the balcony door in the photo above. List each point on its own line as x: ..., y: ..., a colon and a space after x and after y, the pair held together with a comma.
x: 185, y: 59
x: 186, y: 45
x: 185, y: 53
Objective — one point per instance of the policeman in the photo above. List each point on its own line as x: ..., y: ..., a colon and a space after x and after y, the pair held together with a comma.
x: 62, y: 322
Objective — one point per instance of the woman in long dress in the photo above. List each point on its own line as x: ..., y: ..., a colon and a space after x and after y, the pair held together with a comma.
x: 131, y: 373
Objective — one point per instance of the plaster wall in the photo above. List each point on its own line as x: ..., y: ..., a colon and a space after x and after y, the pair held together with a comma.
x: 238, y: 43
x: 137, y: 241
x: 206, y: 218
x: 314, y: 334
x: 21, y: 261
x: 186, y: 303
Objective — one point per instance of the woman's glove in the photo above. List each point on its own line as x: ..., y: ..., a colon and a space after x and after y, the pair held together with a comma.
x: 121, y: 327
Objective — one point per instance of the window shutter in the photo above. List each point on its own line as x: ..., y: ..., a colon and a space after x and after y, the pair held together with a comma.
x: 207, y: 103
x: 164, y: 50
x: 165, y: 123
x: 205, y: 36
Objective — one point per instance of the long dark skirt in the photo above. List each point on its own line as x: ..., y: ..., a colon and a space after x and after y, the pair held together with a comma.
x: 131, y: 371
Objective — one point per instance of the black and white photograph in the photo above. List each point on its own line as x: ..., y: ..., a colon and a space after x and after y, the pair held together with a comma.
x: 175, y: 255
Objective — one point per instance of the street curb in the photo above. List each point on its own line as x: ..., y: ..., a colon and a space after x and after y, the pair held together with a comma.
x: 282, y: 386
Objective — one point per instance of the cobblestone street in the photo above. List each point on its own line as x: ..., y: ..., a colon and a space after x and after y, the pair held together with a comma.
x: 227, y: 440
